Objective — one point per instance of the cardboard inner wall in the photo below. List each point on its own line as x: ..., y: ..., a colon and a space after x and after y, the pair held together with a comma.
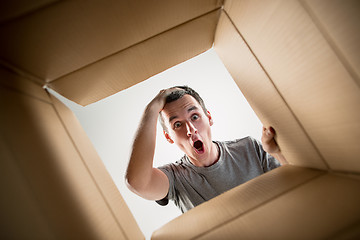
x: 303, y: 64
x: 12, y: 9
x: 73, y: 44
x: 98, y: 172
x: 56, y: 185
x: 264, y: 97
x: 338, y: 22
x: 296, y: 62
x: 287, y: 203
x: 266, y: 188
x: 139, y: 62
x: 298, y: 74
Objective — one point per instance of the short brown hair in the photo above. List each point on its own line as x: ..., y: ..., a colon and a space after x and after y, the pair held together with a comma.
x: 175, y: 95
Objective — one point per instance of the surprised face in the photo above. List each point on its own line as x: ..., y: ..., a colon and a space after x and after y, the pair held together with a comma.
x: 189, y: 128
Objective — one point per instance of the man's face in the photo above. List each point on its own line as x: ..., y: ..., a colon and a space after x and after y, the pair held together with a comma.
x: 189, y: 128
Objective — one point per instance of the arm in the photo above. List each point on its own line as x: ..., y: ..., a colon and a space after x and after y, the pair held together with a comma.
x: 141, y: 177
x: 270, y: 145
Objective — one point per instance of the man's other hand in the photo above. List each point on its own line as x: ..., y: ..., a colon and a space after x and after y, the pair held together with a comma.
x: 270, y: 145
x: 268, y: 140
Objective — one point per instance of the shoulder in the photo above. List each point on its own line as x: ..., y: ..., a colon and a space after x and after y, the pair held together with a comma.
x: 242, y: 145
x: 241, y: 142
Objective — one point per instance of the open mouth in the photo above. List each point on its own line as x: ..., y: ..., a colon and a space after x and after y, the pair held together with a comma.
x: 199, y: 146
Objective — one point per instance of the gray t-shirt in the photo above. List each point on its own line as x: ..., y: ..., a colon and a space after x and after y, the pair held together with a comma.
x: 240, y: 160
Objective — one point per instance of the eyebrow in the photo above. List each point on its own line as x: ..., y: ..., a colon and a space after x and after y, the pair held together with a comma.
x: 189, y: 110
x: 192, y: 108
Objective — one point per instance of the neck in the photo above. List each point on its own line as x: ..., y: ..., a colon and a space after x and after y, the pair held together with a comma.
x: 213, y: 157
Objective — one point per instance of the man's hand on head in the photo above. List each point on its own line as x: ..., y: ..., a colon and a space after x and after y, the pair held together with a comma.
x: 159, y: 100
x: 141, y: 176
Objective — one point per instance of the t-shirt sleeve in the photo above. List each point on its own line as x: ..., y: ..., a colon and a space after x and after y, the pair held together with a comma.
x: 268, y: 162
x: 167, y: 169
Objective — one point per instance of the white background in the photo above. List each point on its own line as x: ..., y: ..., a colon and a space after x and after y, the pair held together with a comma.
x: 111, y: 124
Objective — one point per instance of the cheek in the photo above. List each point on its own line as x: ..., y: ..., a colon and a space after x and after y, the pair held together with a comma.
x: 203, y: 126
x: 178, y: 135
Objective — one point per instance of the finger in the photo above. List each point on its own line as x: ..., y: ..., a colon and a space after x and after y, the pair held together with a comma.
x: 164, y: 93
x: 177, y: 89
x: 161, y: 92
x: 272, y: 130
x: 167, y: 90
x: 268, y: 133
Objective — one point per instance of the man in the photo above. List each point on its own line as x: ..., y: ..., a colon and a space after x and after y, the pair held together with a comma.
x: 208, y: 168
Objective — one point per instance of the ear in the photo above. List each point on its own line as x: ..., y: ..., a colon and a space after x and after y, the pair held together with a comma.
x: 168, y: 138
x: 210, y: 118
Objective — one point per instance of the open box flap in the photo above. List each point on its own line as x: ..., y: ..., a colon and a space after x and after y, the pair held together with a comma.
x: 67, y: 41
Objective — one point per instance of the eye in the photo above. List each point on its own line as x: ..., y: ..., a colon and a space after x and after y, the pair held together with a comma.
x: 195, y: 117
x: 177, y: 125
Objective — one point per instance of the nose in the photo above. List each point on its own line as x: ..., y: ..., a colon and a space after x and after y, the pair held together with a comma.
x: 190, y: 129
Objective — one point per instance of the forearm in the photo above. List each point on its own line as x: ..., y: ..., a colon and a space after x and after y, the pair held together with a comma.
x: 141, y: 178
x: 280, y: 157
x: 141, y: 159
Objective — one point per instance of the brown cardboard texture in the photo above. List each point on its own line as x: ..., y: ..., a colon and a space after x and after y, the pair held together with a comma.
x: 55, y: 184
x: 296, y: 62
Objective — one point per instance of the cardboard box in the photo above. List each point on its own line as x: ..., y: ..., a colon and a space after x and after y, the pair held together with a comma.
x: 296, y: 62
